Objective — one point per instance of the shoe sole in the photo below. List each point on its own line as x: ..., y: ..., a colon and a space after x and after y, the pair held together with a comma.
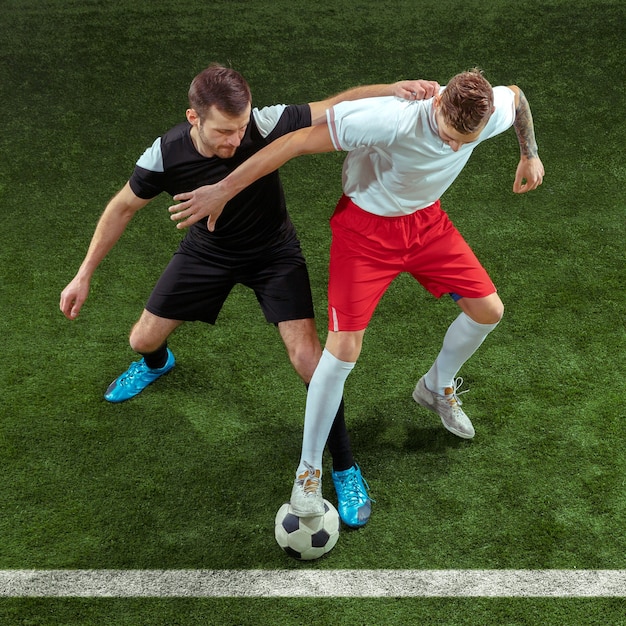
x: 432, y: 408
x: 304, y: 513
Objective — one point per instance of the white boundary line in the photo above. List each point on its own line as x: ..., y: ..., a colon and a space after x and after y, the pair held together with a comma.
x: 312, y: 583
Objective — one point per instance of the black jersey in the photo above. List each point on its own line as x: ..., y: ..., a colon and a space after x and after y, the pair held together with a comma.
x: 255, y: 219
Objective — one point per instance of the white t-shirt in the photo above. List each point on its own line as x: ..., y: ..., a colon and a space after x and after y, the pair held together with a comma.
x: 397, y: 163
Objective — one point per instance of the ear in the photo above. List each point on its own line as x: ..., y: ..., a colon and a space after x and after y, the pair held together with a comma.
x: 192, y: 117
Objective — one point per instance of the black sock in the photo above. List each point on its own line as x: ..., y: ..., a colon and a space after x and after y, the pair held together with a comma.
x: 339, y: 442
x: 156, y: 360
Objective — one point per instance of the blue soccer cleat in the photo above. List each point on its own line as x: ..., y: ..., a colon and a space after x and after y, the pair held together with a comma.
x: 136, y: 378
x: 354, y: 505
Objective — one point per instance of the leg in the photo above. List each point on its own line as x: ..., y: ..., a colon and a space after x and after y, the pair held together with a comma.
x: 326, y: 391
x: 437, y: 390
x: 465, y: 335
x: 303, y: 346
x: 304, y: 350
x: 447, y: 265
x: 190, y: 288
x: 151, y: 332
x: 337, y: 361
x: 487, y: 310
x: 149, y: 338
x: 323, y: 399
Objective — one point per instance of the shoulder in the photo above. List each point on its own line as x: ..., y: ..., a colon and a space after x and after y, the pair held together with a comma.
x: 384, y: 111
x: 281, y: 118
x: 174, y: 141
x: 379, y: 112
x: 503, y: 96
x: 152, y: 158
x: 504, y: 113
x: 368, y: 105
x: 371, y: 121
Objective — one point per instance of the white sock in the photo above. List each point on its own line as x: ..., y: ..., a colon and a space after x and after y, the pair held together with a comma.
x: 322, y: 401
x: 463, y: 338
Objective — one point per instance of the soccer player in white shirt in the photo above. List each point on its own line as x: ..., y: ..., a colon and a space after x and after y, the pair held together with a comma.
x: 402, y: 156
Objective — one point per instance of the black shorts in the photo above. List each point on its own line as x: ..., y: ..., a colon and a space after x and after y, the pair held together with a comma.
x: 192, y: 289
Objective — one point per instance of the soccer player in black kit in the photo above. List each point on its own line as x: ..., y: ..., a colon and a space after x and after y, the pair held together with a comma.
x: 253, y: 243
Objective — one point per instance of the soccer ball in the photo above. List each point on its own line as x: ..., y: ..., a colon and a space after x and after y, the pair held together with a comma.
x: 306, y: 538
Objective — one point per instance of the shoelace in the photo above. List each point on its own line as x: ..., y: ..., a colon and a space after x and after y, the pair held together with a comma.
x: 138, y: 367
x: 454, y: 396
x: 352, y: 489
x: 310, y: 481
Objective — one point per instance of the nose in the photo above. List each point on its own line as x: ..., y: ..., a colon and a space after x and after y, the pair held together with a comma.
x: 455, y: 145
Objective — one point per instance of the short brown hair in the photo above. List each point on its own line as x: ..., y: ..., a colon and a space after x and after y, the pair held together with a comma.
x: 467, y: 101
x: 221, y: 87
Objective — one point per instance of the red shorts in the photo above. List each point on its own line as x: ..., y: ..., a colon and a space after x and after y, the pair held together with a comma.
x: 368, y: 251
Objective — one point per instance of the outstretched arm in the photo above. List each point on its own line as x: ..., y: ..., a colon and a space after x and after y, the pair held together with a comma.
x: 111, y: 225
x: 406, y: 89
x: 530, y: 171
x: 209, y: 201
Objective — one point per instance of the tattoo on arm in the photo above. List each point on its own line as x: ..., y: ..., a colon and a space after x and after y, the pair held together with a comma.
x: 524, y: 128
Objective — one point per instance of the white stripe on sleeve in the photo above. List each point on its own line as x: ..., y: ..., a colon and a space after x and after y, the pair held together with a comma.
x: 267, y: 118
x: 152, y: 158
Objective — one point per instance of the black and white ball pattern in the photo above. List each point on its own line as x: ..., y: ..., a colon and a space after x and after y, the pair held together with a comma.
x: 307, y: 538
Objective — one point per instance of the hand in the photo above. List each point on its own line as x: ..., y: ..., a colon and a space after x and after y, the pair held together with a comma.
x: 529, y: 175
x: 194, y: 205
x: 73, y: 297
x: 416, y: 89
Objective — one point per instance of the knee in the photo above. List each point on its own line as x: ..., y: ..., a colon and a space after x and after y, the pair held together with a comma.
x: 303, y: 346
x: 488, y: 310
x: 495, y: 312
x: 142, y: 343
x: 490, y: 315
x: 345, y: 345
x: 304, y: 357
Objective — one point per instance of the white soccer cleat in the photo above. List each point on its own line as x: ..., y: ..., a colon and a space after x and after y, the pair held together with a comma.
x: 447, y: 406
x: 306, y: 495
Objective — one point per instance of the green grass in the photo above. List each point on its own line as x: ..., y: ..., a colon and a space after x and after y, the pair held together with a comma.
x: 294, y: 612
x: 190, y: 474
